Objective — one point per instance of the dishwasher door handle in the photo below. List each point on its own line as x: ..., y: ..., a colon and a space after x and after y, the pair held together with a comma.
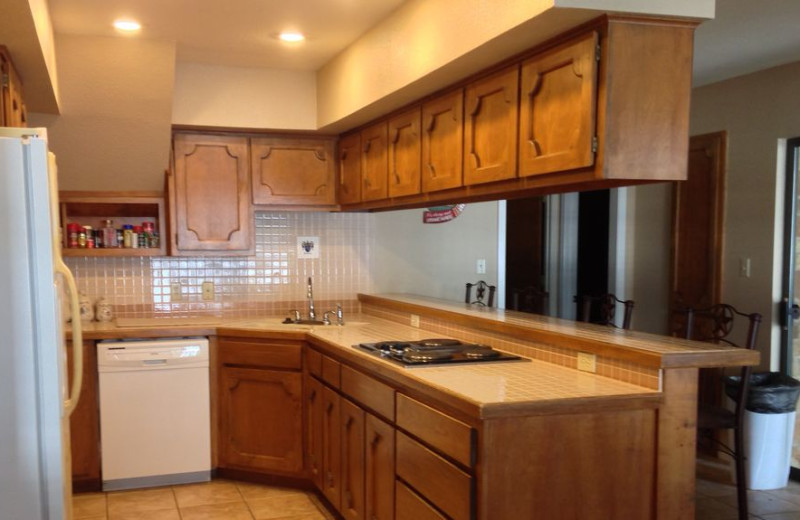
x: 154, y: 362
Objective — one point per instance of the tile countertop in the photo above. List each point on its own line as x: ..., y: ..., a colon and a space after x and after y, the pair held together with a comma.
x: 488, y: 389
x: 648, y: 349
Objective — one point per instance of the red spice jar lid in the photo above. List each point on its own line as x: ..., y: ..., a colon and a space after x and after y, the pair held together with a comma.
x: 137, y: 229
x: 72, y: 226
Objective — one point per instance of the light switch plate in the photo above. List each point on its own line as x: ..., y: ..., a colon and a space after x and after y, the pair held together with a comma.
x: 307, y: 247
x: 480, y: 266
x: 208, y: 291
x: 587, y: 362
x: 175, y: 293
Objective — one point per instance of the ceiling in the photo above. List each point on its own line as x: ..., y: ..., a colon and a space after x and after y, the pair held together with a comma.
x: 232, y: 32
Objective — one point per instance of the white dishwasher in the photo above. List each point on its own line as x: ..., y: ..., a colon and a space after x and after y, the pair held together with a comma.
x: 154, y: 412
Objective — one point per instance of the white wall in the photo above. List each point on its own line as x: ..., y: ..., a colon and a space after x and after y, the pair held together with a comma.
x: 211, y: 95
x: 434, y: 260
x: 757, y: 110
x: 116, y: 105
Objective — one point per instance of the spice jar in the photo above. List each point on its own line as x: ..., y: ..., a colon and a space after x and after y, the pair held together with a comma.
x: 127, y: 235
x: 141, y: 237
x: 89, y: 232
x: 81, y: 237
x: 73, y: 230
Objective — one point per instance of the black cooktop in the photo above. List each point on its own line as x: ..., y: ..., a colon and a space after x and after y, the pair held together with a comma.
x: 435, y: 351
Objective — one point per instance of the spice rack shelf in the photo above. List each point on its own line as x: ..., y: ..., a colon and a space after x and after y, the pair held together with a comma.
x: 91, y: 208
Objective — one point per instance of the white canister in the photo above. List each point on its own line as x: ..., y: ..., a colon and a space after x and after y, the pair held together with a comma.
x: 103, y: 310
x: 86, y: 307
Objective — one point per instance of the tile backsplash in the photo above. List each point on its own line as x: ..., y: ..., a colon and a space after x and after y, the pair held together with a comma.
x: 269, y: 282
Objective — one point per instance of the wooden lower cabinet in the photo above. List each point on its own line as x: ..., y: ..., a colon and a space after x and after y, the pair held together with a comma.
x: 411, y: 506
x: 261, y: 425
x: 379, y: 469
x: 352, y: 439
x: 85, y: 423
x: 331, y: 446
x: 313, y: 414
x: 260, y: 406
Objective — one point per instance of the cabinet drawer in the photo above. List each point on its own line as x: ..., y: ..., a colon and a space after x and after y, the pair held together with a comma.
x: 273, y: 354
x: 437, y: 480
x: 331, y: 371
x: 451, y: 437
x: 314, y: 362
x: 373, y: 394
x: 410, y: 506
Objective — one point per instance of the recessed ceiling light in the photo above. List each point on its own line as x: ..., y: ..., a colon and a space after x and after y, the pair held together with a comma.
x: 291, y: 37
x: 127, y: 25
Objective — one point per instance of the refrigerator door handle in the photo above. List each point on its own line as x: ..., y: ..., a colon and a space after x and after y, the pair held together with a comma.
x: 75, y: 311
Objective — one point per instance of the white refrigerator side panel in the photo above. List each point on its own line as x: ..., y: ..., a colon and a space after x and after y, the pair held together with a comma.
x: 32, y: 480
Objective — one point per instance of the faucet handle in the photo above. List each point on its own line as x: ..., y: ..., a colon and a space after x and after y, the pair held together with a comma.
x: 339, y: 314
x: 296, y: 315
x: 325, y: 317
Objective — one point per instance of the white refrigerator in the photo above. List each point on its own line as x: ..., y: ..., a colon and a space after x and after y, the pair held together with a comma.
x: 35, y: 399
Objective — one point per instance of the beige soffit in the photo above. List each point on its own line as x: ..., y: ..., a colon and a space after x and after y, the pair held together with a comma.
x: 26, y: 31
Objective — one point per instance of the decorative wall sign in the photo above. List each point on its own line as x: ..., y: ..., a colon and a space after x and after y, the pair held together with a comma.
x: 307, y: 247
x: 440, y: 214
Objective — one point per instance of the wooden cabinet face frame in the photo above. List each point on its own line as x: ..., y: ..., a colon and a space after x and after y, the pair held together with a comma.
x: 443, y: 142
x: 490, y: 128
x: 212, y: 202
x: 558, y: 108
x: 405, y: 153
x: 374, y: 162
x: 350, y: 169
x: 352, y: 422
x: 299, y: 171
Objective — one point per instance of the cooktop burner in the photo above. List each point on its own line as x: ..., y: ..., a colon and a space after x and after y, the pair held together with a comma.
x: 434, y: 352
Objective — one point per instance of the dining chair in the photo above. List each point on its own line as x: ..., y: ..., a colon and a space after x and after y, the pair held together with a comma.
x: 481, y: 288
x: 529, y: 299
x: 602, y: 310
x: 715, y: 324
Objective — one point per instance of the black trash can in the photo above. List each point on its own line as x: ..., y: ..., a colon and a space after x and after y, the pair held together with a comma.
x: 768, y: 426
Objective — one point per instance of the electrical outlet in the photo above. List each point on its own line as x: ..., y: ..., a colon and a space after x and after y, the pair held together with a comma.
x: 415, y: 320
x: 587, y: 362
x: 175, y: 292
x: 480, y: 267
x: 208, y: 291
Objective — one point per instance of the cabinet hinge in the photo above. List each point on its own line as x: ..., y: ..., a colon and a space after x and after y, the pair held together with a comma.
x: 594, y: 144
x: 597, y: 52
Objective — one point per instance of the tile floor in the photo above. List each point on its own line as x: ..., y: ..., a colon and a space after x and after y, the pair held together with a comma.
x: 216, y: 500
x: 717, y: 501
x: 229, y: 500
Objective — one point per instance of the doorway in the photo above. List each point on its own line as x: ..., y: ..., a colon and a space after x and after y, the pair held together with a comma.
x: 790, y: 332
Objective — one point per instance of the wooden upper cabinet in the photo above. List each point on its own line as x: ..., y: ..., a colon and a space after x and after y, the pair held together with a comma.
x: 490, y: 128
x: 405, y: 153
x: 12, y: 104
x: 443, y: 142
x: 374, y: 163
x: 293, y: 171
x: 210, y: 202
x: 557, y: 108
x: 350, y: 169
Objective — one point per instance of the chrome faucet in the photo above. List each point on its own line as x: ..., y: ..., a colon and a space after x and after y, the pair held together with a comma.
x: 312, y: 314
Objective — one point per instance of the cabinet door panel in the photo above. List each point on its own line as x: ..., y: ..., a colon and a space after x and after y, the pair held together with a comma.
x: 411, y: 506
x: 374, y: 162
x: 490, y: 128
x: 350, y: 169
x: 379, y: 469
x: 293, y: 171
x: 314, y: 418
x: 212, y: 204
x: 405, y: 153
x: 442, y: 142
x: 331, y: 446
x: 557, y: 109
x: 85, y: 423
x: 261, y: 420
x: 352, y: 505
